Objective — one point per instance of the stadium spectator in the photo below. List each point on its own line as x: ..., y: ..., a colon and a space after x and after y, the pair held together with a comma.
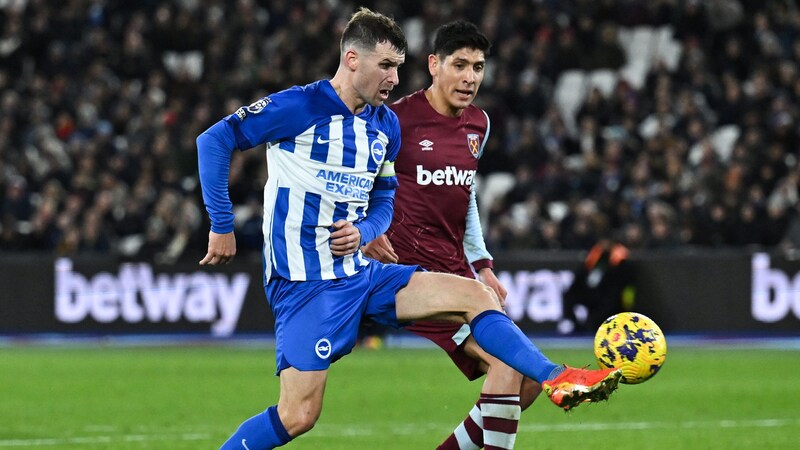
x: 607, y: 53
x: 604, y: 284
x: 89, y: 88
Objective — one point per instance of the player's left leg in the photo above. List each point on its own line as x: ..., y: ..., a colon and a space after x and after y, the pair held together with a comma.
x: 443, y: 296
x: 492, y: 422
x: 499, y: 402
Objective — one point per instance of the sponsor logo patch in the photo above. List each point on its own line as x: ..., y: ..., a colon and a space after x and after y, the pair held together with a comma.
x: 449, y: 176
x: 322, y: 141
x: 258, y: 105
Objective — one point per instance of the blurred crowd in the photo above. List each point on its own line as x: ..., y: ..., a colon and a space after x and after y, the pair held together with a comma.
x: 101, y: 102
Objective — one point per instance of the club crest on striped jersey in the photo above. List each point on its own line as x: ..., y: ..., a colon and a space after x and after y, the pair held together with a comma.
x: 474, y: 144
x: 378, y: 151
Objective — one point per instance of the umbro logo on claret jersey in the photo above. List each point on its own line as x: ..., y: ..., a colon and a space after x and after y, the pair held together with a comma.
x: 427, y: 145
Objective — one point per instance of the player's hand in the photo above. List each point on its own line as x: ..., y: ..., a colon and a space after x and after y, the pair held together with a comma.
x: 345, y: 238
x: 488, y: 278
x: 221, y: 249
x: 380, y: 249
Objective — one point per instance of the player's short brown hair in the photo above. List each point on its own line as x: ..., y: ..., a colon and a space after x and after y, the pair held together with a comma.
x: 367, y: 28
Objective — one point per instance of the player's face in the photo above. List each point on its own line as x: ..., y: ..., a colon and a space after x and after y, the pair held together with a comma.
x: 376, y: 74
x: 457, y: 77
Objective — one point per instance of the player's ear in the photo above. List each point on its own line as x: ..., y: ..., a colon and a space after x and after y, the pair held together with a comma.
x: 351, y: 59
x: 433, y: 64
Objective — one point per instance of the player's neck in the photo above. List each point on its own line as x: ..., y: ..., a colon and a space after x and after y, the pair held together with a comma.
x: 348, y: 96
x: 440, y: 105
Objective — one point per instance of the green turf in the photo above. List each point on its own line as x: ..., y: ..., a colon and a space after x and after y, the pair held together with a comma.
x: 193, y: 397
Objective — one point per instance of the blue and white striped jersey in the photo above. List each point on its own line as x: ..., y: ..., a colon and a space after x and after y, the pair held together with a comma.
x: 323, y: 163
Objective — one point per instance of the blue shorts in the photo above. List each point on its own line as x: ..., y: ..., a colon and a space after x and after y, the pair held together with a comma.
x: 316, y: 322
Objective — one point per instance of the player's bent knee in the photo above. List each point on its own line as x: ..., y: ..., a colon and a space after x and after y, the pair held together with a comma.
x: 299, y: 417
x: 482, y: 299
x: 299, y: 421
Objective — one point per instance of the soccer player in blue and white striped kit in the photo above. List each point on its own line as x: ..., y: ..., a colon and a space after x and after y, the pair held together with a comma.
x: 331, y: 147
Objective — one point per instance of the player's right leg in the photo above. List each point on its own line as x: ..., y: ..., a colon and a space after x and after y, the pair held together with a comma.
x: 449, y: 297
x: 300, y: 402
x: 316, y: 323
x: 297, y: 411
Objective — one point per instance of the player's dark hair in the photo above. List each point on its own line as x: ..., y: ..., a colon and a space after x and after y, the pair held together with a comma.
x: 367, y: 28
x: 459, y: 34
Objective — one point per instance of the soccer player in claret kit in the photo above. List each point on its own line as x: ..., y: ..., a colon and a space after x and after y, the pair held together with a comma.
x: 436, y: 225
x: 331, y: 153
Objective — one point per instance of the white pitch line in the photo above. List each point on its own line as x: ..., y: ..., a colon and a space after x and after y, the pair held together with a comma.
x: 749, y: 423
x: 85, y: 440
x: 332, y: 430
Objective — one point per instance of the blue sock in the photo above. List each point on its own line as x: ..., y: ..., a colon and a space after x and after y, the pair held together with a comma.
x: 501, y: 338
x: 261, y: 432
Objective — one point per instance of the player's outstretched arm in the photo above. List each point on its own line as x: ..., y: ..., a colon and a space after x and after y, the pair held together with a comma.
x: 221, y: 249
x: 380, y: 249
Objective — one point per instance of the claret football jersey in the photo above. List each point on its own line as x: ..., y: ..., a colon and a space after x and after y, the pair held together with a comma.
x: 435, y: 168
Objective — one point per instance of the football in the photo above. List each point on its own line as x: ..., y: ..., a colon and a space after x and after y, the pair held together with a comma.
x: 633, y: 343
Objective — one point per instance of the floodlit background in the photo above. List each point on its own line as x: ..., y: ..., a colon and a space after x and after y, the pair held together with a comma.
x: 668, y: 126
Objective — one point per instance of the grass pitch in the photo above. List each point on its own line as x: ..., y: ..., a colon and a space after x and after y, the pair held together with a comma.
x: 193, y: 397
